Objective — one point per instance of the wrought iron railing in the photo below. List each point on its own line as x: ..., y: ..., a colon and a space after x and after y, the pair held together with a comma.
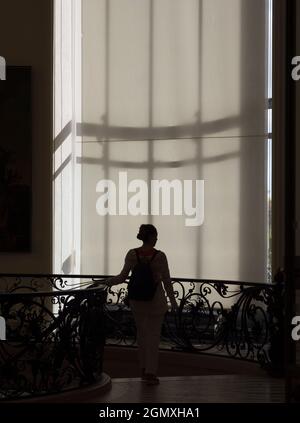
x: 56, y: 327
x: 54, y: 335
x: 233, y: 319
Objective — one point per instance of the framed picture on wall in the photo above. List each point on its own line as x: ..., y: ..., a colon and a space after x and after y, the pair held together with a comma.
x: 15, y: 160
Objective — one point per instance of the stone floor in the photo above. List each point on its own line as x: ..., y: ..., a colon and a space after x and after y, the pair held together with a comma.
x: 195, y: 389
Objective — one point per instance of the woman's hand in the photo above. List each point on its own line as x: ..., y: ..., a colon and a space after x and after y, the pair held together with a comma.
x: 109, y: 282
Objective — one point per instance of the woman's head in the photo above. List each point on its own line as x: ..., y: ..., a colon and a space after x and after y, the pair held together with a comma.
x: 147, y: 234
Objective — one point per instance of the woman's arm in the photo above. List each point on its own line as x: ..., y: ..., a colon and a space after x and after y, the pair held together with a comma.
x: 121, y: 278
x: 166, y: 278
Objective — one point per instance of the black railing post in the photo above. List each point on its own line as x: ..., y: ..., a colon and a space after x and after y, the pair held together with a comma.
x: 276, y: 322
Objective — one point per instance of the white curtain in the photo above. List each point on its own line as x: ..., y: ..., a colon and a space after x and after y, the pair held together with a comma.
x: 165, y: 90
x: 67, y: 143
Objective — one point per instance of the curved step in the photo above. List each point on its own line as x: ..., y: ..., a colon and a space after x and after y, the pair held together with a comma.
x: 86, y: 394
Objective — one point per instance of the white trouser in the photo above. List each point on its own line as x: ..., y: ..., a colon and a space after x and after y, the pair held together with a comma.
x: 148, y: 336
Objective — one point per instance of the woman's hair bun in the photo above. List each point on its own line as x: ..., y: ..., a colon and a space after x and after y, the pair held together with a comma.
x: 139, y: 236
x: 146, y: 231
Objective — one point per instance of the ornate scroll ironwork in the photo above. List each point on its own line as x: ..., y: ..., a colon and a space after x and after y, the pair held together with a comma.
x: 54, y: 340
x: 238, y: 320
x: 56, y: 327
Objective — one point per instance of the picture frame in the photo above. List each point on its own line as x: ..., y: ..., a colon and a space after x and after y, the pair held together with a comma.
x: 15, y: 160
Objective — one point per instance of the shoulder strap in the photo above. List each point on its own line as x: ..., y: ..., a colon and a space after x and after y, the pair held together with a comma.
x: 152, y: 258
x: 137, y: 254
x: 154, y: 255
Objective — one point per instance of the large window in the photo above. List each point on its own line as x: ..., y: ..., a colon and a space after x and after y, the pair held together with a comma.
x: 164, y: 90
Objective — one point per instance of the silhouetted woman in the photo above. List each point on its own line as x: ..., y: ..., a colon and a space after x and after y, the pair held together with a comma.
x: 149, y: 315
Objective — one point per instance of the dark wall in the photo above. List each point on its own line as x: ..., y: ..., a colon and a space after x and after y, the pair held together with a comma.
x: 26, y: 39
x: 298, y: 142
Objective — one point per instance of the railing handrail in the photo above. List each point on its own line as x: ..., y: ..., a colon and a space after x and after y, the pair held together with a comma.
x: 57, y: 293
x: 95, y: 278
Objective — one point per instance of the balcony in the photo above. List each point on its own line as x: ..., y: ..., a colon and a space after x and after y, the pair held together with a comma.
x: 66, y: 334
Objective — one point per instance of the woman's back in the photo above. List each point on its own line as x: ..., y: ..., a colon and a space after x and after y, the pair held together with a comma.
x: 148, y: 314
